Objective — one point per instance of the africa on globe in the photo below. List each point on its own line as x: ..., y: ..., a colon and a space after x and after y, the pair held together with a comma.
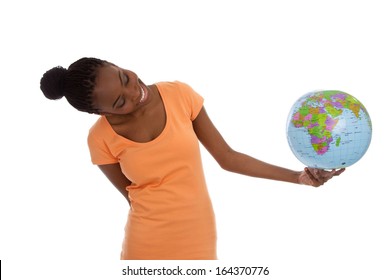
x: 328, y: 129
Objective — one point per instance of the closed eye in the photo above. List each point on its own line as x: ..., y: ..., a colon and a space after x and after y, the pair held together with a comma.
x: 121, y: 102
x: 126, y: 79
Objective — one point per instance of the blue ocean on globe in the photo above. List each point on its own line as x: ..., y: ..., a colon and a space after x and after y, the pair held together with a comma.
x: 328, y: 129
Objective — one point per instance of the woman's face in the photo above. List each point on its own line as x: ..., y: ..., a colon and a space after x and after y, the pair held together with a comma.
x: 119, y: 91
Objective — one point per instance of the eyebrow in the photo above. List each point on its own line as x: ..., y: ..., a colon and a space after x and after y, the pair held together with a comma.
x: 121, y: 81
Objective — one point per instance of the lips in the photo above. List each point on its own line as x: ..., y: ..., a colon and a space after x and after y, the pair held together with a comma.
x: 144, y: 94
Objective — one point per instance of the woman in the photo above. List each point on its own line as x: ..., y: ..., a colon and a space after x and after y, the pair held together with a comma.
x: 146, y: 143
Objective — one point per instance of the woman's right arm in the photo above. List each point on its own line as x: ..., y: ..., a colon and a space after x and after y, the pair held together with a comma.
x: 114, y: 173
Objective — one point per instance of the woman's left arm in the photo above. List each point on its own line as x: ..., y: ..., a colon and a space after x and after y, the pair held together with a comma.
x: 237, y: 162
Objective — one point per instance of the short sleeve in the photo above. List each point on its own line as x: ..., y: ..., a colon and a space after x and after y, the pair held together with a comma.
x: 193, y: 100
x: 98, y: 148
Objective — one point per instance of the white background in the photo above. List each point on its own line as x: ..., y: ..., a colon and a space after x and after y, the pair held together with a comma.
x: 250, y: 60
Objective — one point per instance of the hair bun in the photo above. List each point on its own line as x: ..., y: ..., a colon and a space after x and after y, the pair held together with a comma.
x: 52, y: 83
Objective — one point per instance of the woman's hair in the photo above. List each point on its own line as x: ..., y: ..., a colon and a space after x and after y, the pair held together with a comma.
x: 75, y: 83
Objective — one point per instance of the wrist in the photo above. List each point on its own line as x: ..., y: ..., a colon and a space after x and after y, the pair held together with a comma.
x: 298, y: 178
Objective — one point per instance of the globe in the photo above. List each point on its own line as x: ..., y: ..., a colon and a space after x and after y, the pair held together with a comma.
x: 328, y: 129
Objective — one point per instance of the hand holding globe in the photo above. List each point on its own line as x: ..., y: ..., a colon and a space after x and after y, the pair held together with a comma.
x: 317, y: 177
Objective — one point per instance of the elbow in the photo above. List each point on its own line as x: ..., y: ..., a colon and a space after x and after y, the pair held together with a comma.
x: 225, y: 165
x: 227, y: 162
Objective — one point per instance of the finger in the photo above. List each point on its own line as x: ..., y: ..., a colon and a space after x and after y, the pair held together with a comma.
x: 310, y: 172
x: 335, y: 172
x: 320, y: 175
x: 338, y: 172
x: 327, y: 175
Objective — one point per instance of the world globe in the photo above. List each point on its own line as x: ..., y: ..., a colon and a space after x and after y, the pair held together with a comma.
x: 328, y: 129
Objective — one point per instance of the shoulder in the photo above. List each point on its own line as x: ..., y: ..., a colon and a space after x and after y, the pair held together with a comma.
x: 97, y: 126
x: 97, y: 130
x: 178, y: 90
x: 100, y: 143
x: 182, y: 96
x: 175, y: 86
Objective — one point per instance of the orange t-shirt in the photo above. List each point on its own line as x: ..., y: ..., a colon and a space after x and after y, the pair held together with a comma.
x: 171, y: 215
